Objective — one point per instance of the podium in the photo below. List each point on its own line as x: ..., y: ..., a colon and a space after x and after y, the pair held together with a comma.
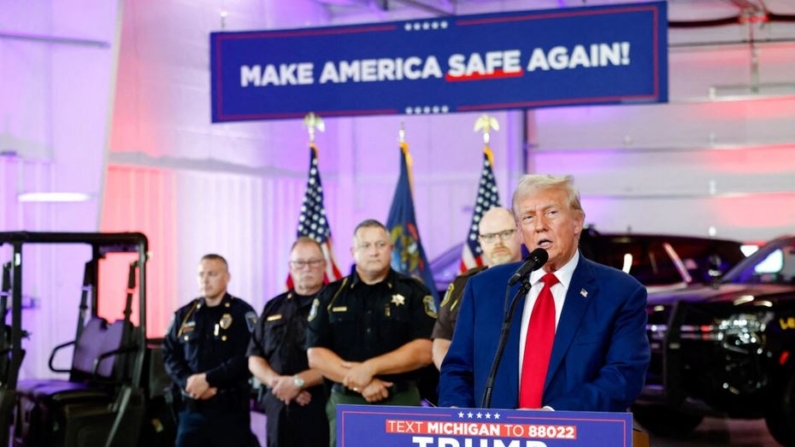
x: 387, y: 426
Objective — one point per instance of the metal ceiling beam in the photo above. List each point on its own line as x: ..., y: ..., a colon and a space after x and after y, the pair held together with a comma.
x: 54, y: 39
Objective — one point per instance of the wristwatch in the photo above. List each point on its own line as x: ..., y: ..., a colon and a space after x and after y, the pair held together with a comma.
x: 299, y: 382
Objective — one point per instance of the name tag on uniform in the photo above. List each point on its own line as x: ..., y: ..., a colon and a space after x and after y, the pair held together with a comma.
x: 339, y: 309
x: 274, y: 317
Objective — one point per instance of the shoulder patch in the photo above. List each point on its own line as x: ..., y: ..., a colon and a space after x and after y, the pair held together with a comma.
x: 251, y: 320
x: 449, y: 294
x: 313, y: 311
x: 430, y: 306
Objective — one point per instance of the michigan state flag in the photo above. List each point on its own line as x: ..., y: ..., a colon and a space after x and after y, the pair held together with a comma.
x: 408, y: 257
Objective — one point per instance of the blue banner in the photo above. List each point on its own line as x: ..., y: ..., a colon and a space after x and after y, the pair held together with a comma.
x: 528, y: 59
x: 385, y: 426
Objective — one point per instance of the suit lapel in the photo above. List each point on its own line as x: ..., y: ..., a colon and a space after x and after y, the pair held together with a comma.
x: 573, y: 310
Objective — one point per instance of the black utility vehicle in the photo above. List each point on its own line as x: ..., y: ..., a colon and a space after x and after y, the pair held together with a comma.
x: 113, y: 394
x: 725, y: 348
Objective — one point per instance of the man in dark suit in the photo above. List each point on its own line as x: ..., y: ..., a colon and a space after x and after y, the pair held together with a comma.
x: 578, y: 339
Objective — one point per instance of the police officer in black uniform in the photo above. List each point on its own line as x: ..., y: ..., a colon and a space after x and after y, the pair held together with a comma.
x: 370, y: 332
x: 205, y: 354
x: 500, y: 243
x: 295, y: 399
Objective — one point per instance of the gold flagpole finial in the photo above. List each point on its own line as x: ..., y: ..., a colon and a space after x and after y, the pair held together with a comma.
x: 402, y: 133
x: 486, y: 124
x: 312, y: 122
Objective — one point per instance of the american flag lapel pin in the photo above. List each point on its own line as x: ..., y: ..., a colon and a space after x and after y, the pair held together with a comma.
x: 584, y: 293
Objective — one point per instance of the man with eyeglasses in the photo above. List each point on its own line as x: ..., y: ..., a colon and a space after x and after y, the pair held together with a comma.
x: 295, y: 397
x: 501, y: 244
x: 369, y: 333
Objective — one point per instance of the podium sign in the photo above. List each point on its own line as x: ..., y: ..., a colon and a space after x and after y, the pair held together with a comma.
x: 385, y: 426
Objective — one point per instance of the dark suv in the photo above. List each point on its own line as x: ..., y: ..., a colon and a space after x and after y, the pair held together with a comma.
x: 725, y: 348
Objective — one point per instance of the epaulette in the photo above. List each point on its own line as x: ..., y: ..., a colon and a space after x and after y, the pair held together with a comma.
x: 473, y: 271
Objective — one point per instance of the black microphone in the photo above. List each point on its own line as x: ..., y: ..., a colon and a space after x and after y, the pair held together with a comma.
x: 534, y: 261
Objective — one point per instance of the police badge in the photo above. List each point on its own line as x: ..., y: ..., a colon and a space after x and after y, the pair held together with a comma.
x: 226, y: 321
x: 398, y: 299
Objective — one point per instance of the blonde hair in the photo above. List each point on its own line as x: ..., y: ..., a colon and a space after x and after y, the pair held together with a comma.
x: 534, y: 182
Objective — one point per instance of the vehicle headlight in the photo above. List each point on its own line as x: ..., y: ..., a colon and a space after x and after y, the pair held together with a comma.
x: 740, y: 330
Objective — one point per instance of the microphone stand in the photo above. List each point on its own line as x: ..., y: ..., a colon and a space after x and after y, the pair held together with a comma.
x: 504, y: 331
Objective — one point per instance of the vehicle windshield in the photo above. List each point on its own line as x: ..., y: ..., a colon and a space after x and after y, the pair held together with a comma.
x: 772, y: 264
x: 652, y: 262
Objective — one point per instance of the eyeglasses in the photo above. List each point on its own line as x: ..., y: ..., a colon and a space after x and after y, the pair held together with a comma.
x: 492, y: 237
x: 299, y: 264
x: 380, y: 245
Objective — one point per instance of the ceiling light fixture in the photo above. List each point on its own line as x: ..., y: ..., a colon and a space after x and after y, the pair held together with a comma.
x: 54, y: 197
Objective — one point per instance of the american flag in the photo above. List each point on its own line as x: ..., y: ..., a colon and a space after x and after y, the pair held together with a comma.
x: 488, y: 198
x: 313, y: 222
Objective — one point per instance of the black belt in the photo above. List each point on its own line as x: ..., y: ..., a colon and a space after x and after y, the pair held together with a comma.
x: 397, y: 387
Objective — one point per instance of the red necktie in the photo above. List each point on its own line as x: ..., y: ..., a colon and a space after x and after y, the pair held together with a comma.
x: 538, y: 346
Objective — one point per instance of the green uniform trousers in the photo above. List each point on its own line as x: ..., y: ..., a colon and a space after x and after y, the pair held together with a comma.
x: 408, y: 398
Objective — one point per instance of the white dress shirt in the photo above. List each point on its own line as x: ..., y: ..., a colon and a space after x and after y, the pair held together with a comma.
x: 559, y: 290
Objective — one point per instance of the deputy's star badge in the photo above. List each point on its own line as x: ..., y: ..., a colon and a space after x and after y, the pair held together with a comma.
x: 398, y: 300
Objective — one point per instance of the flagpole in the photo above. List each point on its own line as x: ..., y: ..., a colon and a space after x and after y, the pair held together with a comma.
x: 312, y: 221
x: 405, y: 148
x: 487, y: 196
x: 486, y: 123
x: 408, y: 255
